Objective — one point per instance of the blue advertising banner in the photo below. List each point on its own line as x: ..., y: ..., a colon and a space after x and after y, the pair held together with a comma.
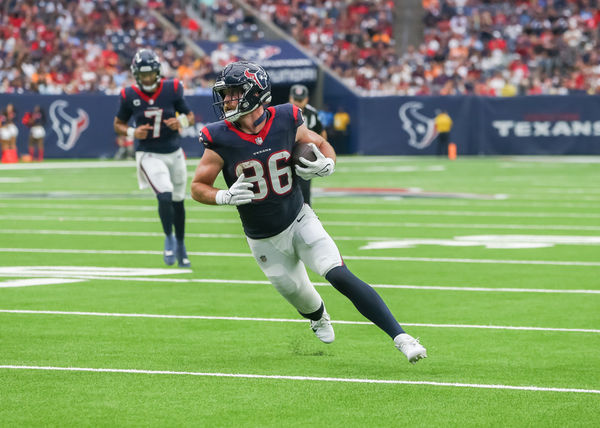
x: 81, y: 126
x: 539, y: 125
x: 482, y: 126
x: 283, y: 61
x: 405, y: 126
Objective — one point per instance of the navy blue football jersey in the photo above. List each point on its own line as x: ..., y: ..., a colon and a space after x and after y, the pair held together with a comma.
x: 265, y: 160
x: 153, y: 109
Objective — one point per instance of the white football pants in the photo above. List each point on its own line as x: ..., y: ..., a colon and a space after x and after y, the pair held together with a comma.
x: 163, y: 172
x: 283, y: 256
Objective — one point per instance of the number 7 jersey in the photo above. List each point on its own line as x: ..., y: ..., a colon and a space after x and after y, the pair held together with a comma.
x: 153, y: 109
x: 265, y: 160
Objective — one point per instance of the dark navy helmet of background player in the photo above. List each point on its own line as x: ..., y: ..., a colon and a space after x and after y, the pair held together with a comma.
x: 254, y: 83
x: 146, y: 61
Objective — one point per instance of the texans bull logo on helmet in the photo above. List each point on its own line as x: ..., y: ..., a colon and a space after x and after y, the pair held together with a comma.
x: 244, y: 76
x: 258, y: 77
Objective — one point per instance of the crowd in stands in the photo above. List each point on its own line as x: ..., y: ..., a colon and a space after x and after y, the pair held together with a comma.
x: 502, y: 48
x: 482, y: 47
x: 229, y: 23
x: 76, y: 46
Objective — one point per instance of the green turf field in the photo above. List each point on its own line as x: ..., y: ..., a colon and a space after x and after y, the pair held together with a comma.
x: 493, y: 262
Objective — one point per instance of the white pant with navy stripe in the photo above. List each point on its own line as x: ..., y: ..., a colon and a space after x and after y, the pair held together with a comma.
x: 282, y: 258
x: 163, y: 172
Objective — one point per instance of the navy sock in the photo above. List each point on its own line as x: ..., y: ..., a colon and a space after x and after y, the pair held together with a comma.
x: 316, y: 315
x: 367, y: 301
x: 165, y: 211
x: 179, y: 219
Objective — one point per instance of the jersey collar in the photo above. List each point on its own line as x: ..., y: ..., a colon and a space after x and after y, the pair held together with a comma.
x: 259, y: 138
x: 149, y: 99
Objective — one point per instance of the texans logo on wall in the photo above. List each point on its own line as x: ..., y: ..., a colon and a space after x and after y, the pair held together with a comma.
x: 420, y: 128
x: 68, y: 128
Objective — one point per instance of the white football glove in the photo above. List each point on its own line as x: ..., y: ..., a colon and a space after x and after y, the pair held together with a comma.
x: 321, y: 167
x: 239, y: 193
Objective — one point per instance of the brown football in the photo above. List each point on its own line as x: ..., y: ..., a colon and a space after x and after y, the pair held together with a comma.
x: 302, y: 150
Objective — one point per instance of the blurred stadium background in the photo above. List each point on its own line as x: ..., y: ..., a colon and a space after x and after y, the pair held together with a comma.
x: 517, y: 77
x: 492, y: 260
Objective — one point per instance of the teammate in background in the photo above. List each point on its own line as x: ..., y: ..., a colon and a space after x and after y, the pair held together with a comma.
x: 299, y: 98
x: 35, y: 121
x: 252, y: 145
x: 443, y: 125
x: 159, y: 111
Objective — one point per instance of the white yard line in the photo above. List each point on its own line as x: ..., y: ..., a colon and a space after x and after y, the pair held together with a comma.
x: 306, y: 378
x: 473, y: 240
x: 131, y: 208
x: 461, y: 213
x: 496, y: 203
x: 116, y: 233
x: 566, y: 197
x: 254, y: 319
x: 60, y: 219
x: 84, y: 276
x: 559, y: 195
x: 79, y: 164
x: 370, y: 258
x: 352, y: 211
x: 471, y: 203
x: 29, y: 282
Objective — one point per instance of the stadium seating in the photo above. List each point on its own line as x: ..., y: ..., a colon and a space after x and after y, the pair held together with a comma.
x: 63, y: 46
x: 486, y: 48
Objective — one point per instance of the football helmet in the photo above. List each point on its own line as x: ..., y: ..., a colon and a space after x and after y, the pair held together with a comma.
x: 251, y: 79
x: 146, y: 61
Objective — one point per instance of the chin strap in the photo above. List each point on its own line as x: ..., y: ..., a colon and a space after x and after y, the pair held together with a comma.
x: 261, y: 118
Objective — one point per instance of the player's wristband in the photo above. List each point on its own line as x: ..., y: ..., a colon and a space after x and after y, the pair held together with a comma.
x: 221, y: 197
x: 130, y: 132
x: 183, y: 120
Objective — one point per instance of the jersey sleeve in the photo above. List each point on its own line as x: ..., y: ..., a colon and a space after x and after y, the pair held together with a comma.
x: 209, y: 138
x: 297, y: 115
x: 205, y: 138
x: 125, y: 111
x: 180, y: 104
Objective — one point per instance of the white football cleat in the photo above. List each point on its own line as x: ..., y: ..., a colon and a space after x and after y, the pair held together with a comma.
x: 323, y: 329
x: 410, y: 347
x: 182, y: 258
x: 169, y: 252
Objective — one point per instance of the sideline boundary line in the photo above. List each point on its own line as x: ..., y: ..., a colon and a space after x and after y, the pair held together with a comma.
x: 305, y: 378
x: 217, y: 318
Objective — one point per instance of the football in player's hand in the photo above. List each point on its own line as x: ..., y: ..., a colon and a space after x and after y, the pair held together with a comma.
x: 302, y: 150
